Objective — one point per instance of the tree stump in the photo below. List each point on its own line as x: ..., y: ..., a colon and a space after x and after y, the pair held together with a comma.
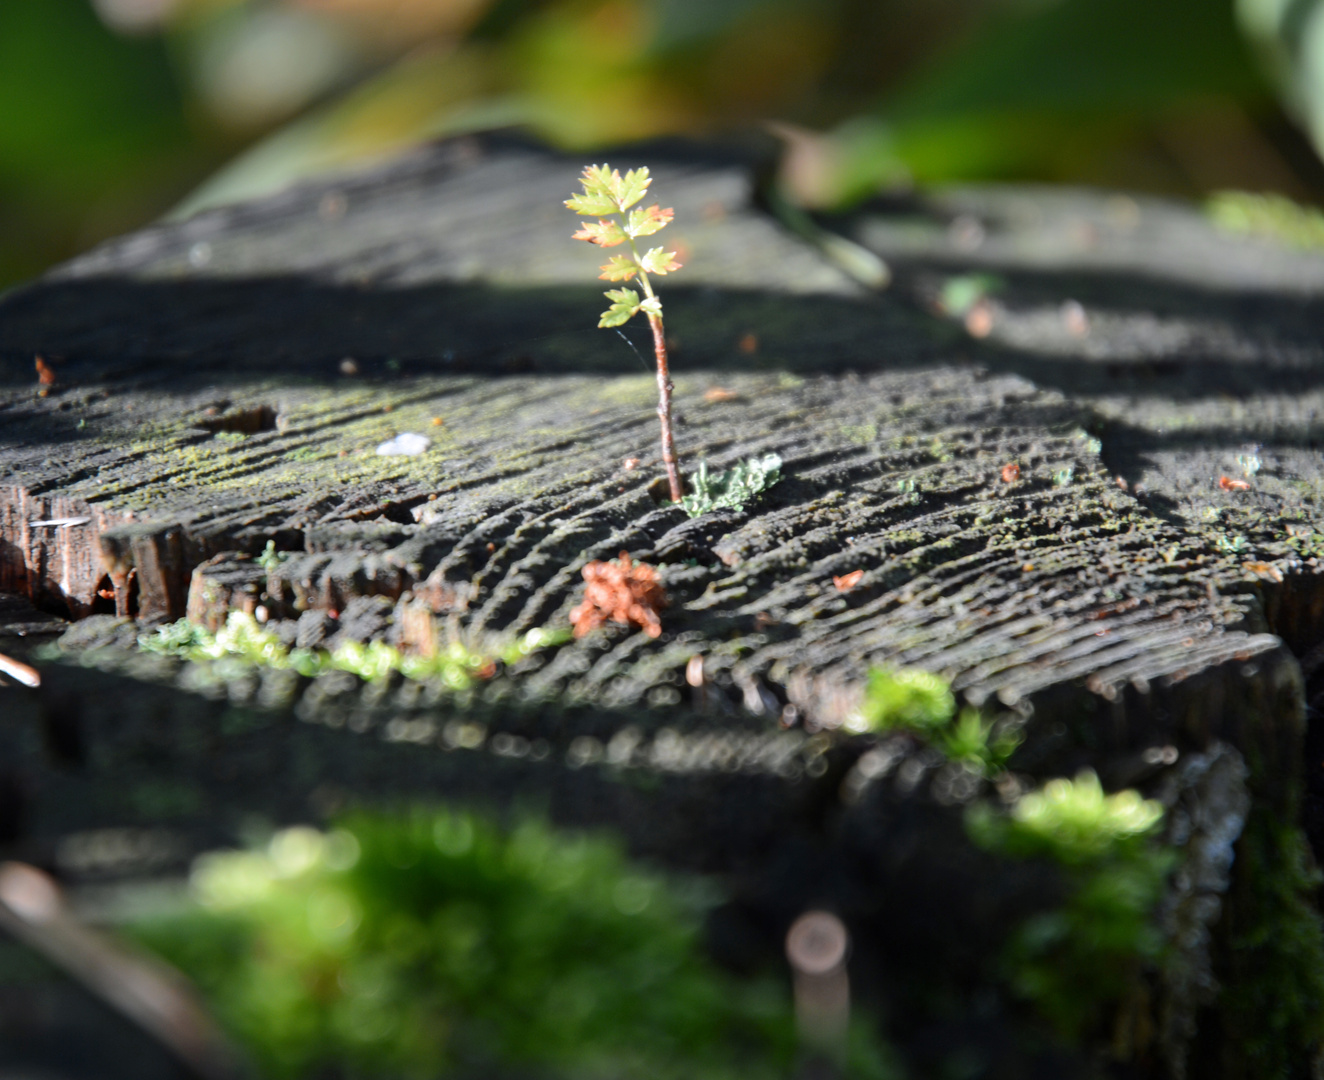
x: 1086, y: 492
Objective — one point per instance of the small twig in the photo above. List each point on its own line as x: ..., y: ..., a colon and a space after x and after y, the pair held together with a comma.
x: 664, y: 409
x: 144, y: 991
x: 19, y: 671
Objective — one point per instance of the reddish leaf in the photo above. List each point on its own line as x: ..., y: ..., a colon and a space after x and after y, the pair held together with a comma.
x: 602, y: 233
x: 1228, y: 484
x: 847, y: 581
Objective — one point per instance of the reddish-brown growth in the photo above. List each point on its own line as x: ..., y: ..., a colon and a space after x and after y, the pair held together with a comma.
x: 1228, y: 484
x: 847, y: 581
x: 620, y: 591
x: 1011, y: 473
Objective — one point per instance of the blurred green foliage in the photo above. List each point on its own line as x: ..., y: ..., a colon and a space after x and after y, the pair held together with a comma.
x: 910, y: 699
x: 108, y: 120
x: 427, y: 943
x: 1268, y: 216
x: 93, y: 134
x: 905, y: 699
x: 1078, y: 960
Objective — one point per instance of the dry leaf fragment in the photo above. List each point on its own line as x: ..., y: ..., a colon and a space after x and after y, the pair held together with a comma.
x: 720, y: 393
x: 1228, y: 484
x: 1011, y: 472
x: 847, y: 581
x: 620, y: 591
x: 1264, y: 570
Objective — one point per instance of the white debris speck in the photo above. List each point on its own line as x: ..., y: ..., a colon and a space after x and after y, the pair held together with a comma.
x: 406, y: 444
x: 57, y: 523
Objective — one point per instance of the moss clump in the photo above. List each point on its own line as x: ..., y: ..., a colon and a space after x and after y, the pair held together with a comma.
x: 1074, y: 962
x: 432, y: 942
x: 457, y: 665
x: 908, y: 699
x: 1072, y: 822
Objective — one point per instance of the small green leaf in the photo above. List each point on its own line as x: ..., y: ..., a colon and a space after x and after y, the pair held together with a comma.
x: 591, y: 205
x: 602, y: 233
x: 630, y: 190
x: 602, y: 181
x: 624, y: 303
x: 607, y: 192
x: 652, y: 306
x: 648, y: 221
x: 657, y: 261
x: 620, y: 268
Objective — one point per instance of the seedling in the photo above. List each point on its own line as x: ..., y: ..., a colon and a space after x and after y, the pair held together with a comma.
x: 608, y: 196
x: 270, y: 558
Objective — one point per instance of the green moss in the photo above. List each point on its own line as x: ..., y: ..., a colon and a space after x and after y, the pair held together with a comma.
x: 457, y: 665
x: 423, y: 943
x: 270, y: 558
x: 905, y: 698
x: 984, y: 745
x: 908, y: 699
x: 1070, y: 821
x: 1076, y: 962
x: 1273, y: 987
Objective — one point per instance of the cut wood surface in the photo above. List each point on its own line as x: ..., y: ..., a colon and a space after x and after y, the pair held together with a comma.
x: 1092, y: 498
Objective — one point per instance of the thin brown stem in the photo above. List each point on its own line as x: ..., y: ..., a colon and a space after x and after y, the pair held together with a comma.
x: 664, y: 408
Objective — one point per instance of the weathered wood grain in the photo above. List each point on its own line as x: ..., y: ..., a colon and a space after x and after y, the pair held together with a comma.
x: 225, y: 382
